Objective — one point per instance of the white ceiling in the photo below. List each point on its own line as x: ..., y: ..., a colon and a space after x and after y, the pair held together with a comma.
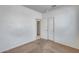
x: 39, y: 8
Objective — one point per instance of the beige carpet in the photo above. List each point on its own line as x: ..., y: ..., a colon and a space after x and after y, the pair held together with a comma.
x: 43, y: 46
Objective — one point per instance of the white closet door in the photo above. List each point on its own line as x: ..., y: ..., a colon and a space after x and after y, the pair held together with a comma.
x: 50, y: 28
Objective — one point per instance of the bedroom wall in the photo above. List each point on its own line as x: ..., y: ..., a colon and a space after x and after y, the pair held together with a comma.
x: 17, y: 26
x: 66, y: 18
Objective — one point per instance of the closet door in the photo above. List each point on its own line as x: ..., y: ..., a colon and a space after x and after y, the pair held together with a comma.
x: 50, y: 28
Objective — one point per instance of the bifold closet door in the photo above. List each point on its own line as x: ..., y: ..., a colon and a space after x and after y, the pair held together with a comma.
x: 50, y: 27
x: 47, y: 27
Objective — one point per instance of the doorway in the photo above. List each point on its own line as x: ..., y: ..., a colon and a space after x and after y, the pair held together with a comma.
x: 38, y: 29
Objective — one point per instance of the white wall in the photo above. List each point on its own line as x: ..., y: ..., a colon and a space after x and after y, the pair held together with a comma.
x: 17, y: 26
x: 65, y: 25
